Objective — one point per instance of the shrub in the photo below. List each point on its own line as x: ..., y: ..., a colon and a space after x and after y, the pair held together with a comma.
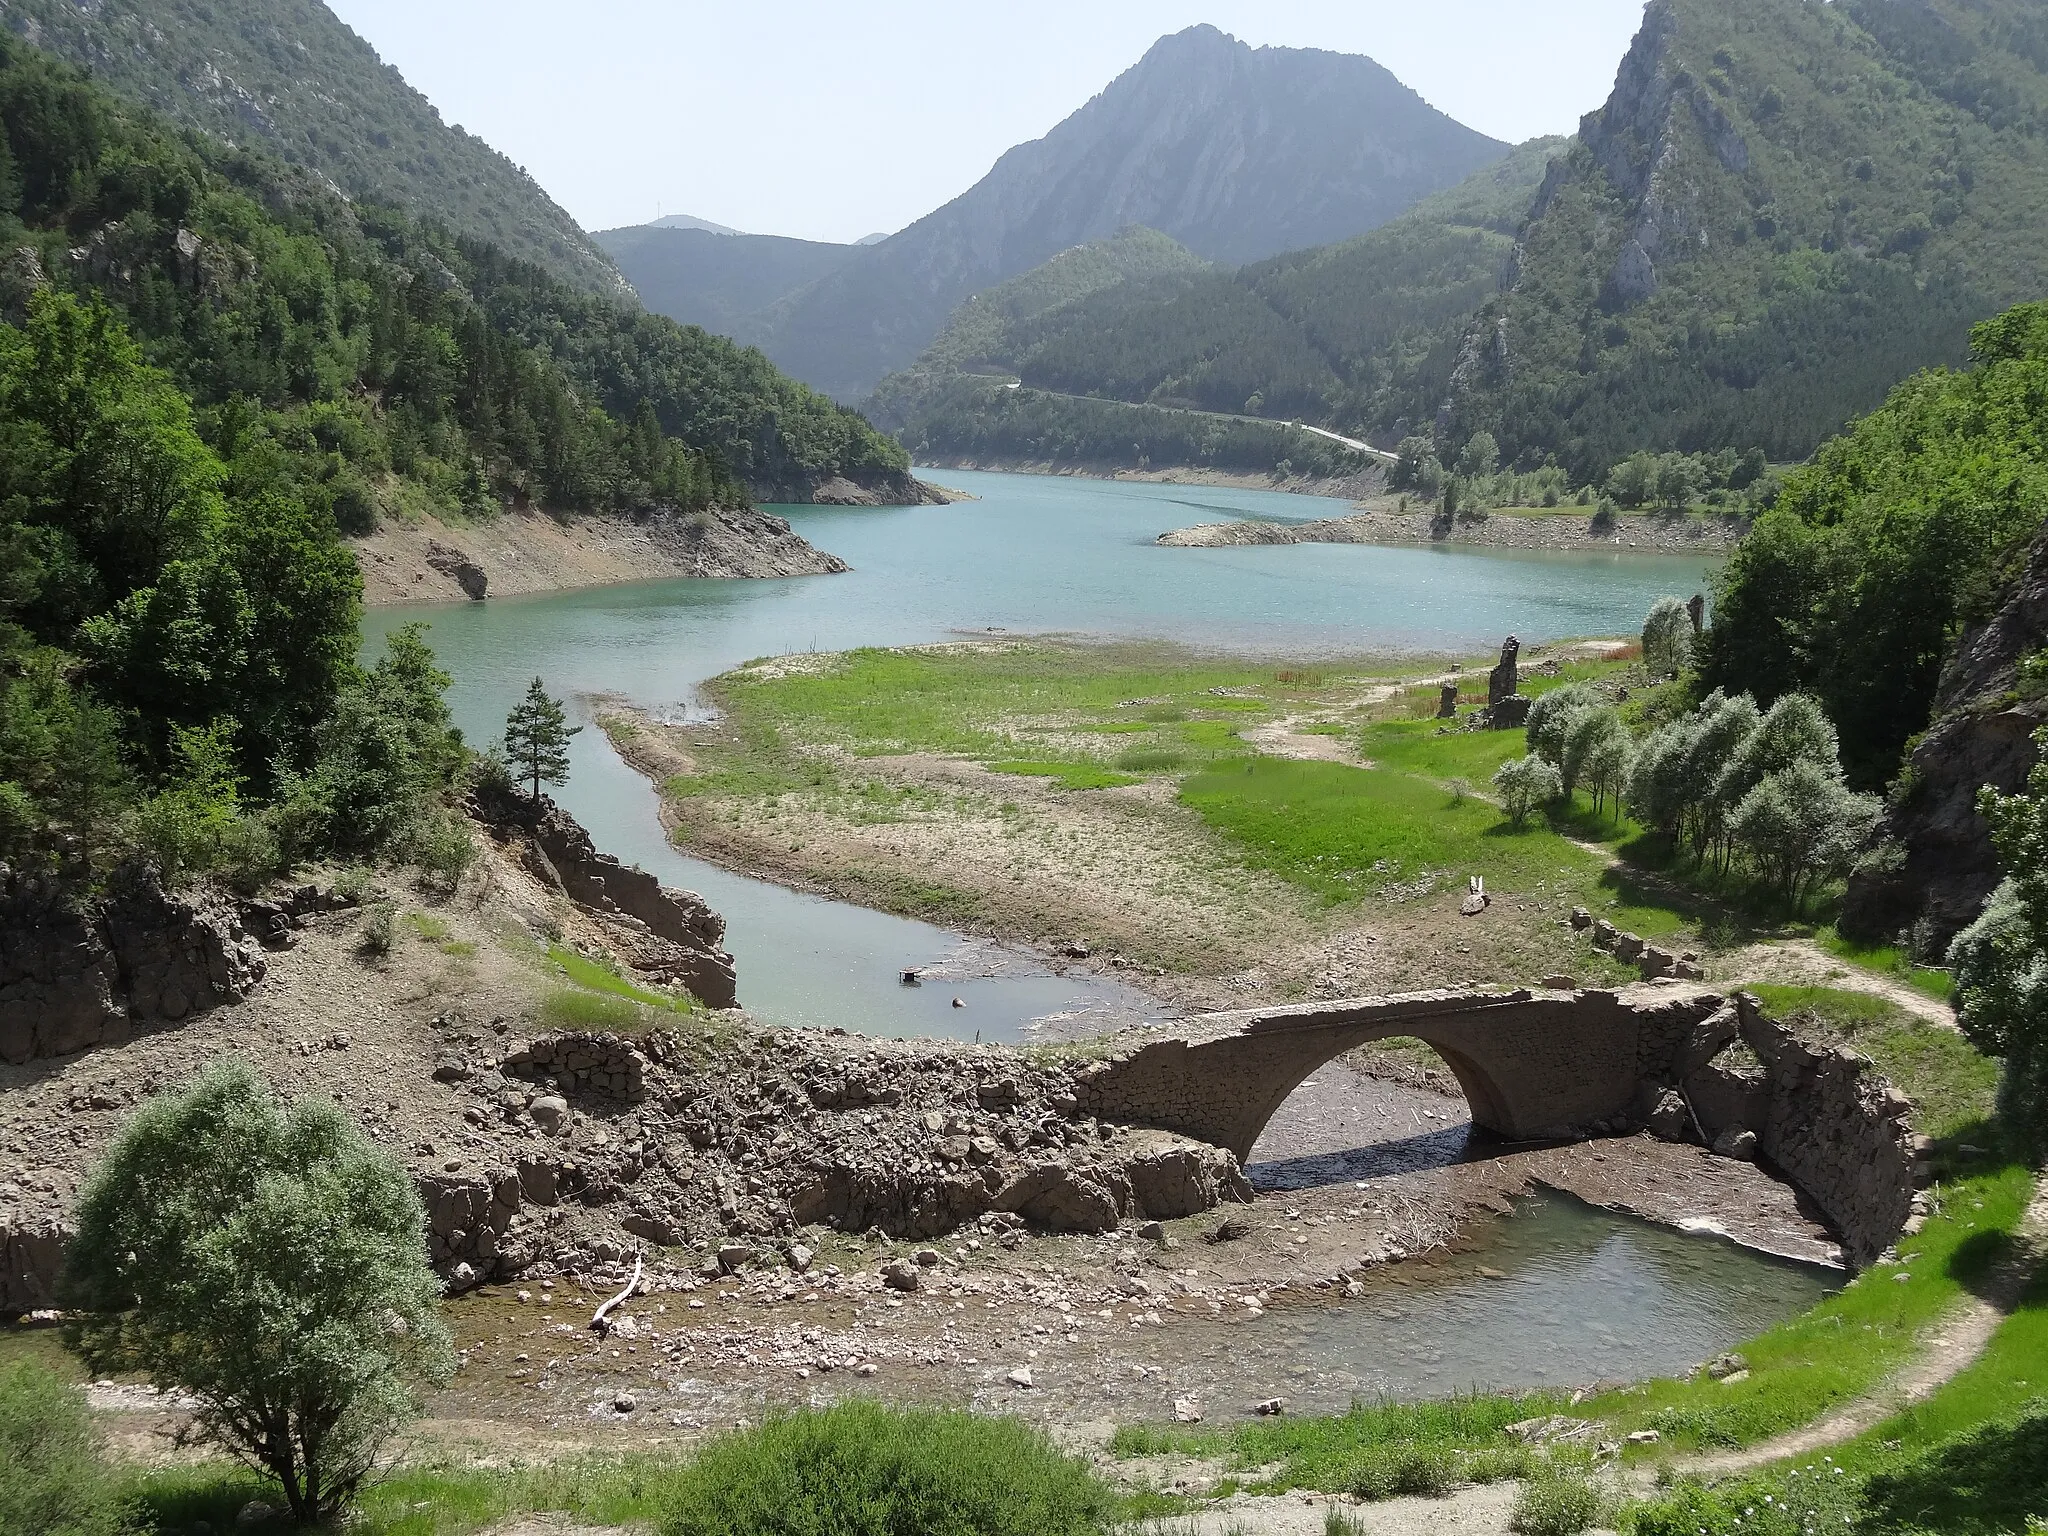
x: 860, y: 1469
x: 1556, y: 1502
x: 1525, y: 783
x: 52, y: 1481
x: 1150, y: 759
x: 380, y: 932
x: 270, y: 1261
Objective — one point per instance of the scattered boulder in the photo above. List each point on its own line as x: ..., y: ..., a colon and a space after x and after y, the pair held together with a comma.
x: 1736, y: 1142
x: 901, y: 1275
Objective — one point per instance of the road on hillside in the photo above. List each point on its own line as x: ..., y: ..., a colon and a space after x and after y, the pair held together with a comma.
x: 1378, y: 454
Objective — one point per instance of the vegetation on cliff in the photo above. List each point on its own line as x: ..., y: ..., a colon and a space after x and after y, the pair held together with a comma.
x: 1855, y: 585
x: 1781, y: 211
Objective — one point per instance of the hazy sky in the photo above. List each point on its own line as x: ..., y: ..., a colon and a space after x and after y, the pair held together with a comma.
x: 832, y: 119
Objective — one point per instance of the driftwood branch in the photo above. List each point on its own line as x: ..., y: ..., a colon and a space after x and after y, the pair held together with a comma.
x: 597, y: 1320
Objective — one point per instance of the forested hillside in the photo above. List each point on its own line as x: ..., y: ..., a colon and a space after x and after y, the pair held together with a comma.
x: 424, y: 368
x: 1361, y: 336
x: 211, y: 367
x: 287, y: 76
x: 1782, y: 210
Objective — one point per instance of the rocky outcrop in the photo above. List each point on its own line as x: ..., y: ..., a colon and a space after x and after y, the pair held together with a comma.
x: 78, y: 971
x: 1931, y: 864
x: 671, y: 937
x: 460, y: 569
x: 879, y: 489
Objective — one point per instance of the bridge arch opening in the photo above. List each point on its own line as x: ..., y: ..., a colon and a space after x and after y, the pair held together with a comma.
x: 1387, y: 1108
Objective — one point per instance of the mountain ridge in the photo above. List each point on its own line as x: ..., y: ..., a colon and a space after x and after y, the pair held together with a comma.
x: 293, y: 77
x: 1235, y: 152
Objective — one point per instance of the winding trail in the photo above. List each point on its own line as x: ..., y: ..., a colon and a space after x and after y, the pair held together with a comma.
x: 1960, y: 1339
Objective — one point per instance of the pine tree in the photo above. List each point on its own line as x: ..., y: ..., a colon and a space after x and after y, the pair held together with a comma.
x: 537, y: 736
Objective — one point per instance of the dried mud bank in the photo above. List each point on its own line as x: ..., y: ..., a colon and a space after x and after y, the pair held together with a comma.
x: 1381, y: 525
x: 528, y: 552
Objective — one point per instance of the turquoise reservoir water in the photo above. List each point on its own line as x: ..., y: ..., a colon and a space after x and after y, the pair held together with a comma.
x: 1032, y: 554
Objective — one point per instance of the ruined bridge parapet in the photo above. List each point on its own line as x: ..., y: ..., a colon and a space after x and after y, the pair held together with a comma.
x: 1550, y: 1066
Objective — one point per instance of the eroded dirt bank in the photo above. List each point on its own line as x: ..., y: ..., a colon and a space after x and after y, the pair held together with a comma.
x: 527, y: 552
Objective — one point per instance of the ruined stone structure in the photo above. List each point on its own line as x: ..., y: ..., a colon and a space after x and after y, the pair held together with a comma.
x: 1447, y: 704
x: 1553, y: 1066
x: 1504, y: 680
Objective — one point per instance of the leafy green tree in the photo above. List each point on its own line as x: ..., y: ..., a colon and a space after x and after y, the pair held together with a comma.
x: 269, y: 1261
x: 1524, y: 784
x: 189, y: 825
x: 384, y: 759
x: 2001, y: 960
x: 99, y: 451
x: 537, y: 736
x: 1667, y: 638
x: 1801, y: 826
x: 1479, y: 457
x: 1853, y: 586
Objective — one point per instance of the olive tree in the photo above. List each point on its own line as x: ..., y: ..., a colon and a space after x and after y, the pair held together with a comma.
x: 1802, y: 826
x: 268, y: 1260
x: 1551, y: 715
x: 1667, y: 637
x: 1595, y: 735
x: 1525, y: 783
x: 2001, y: 960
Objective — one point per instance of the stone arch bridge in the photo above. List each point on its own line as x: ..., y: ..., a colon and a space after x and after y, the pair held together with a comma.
x: 1540, y: 1066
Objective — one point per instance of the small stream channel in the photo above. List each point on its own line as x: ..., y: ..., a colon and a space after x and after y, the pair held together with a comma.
x: 1581, y: 1294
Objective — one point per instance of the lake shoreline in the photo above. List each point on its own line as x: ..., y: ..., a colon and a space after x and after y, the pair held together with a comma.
x: 1563, y: 531
x: 524, y: 552
x: 1368, y: 482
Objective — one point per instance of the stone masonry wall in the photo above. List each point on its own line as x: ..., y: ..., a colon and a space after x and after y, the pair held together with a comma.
x: 1556, y: 1066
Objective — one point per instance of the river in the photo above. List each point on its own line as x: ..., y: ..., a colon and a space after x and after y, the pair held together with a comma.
x: 1031, y: 554
x: 1580, y: 1294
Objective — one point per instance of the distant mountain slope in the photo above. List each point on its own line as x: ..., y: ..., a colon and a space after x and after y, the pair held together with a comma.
x: 289, y: 76
x: 718, y: 280
x: 691, y: 221
x: 1360, y: 336
x: 1782, y: 210
x: 1236, y: 152
x: 992, y: 331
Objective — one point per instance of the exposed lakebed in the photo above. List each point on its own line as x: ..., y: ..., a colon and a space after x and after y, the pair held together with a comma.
x: 1586, y: 1294
x: 1029, y: 555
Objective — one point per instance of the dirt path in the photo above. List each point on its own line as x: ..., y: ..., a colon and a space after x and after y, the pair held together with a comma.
x: 1963, y: 1335
x: 1802, y: 962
